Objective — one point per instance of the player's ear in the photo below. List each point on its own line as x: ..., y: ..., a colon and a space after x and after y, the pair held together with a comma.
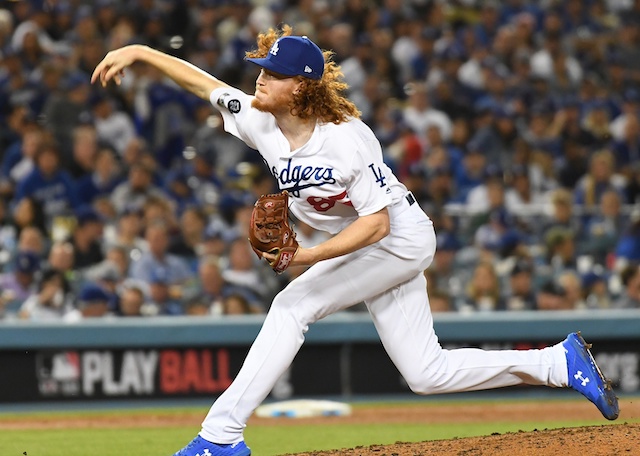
x: 298, y: 83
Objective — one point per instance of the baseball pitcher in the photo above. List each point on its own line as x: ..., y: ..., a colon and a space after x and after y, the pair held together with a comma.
x: 331, y: 166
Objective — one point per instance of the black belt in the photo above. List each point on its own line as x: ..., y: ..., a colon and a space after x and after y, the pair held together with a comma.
x: 410, y: 198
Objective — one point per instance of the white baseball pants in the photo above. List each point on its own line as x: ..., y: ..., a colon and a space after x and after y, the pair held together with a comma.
x: 388, y: 277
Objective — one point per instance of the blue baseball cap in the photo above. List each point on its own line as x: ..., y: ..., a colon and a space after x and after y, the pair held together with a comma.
x: 293, y: 56
x: 93, y: 293
x: 27, y: 262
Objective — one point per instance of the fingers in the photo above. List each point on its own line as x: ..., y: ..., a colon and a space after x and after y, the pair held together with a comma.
x: 105, y: 71
x: 270, y: 257
x: 101, y: 74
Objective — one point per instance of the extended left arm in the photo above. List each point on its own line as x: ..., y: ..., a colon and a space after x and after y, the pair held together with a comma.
x: 362, y: 232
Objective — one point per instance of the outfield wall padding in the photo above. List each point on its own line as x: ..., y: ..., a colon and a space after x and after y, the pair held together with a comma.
x: 162, y: 357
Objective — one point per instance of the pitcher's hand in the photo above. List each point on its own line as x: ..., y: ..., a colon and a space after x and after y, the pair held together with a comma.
x: 113, y: 65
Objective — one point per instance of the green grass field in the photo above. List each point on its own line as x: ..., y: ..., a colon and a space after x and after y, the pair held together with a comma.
x: 265, y: 440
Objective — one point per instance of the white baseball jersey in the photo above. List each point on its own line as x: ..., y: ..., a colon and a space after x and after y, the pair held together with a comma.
x: 335, y: 177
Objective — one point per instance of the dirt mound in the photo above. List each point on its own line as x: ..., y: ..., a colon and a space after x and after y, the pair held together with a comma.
x: 609, y: 440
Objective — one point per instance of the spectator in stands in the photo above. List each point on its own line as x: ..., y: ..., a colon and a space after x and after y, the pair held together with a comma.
x: 18, y: 116
x: 156, y: 263
x: 567, y: 123
x: 572, y: 284
x: 203, y: 179
x: 92, y: 302
x: 31, y: 239
x: 197, y: 306
x: 625, y: 42
x: 471, y: 172
x: 127, y: 230
x: 520, y: 293
x: 601, y: 177
x: 18, y: 158
x: 628, y: 246
x: 419, y: 115
x: 28, y: 212
x: 133, y: 302
x: 48, y: 183
x: 118, y: 256
x: 443, y: 275
x: 86, y: 238
x: 574, y: 164
x: 562, y: 215
x: 176, y: 186
x: 137, y: 189
x: 626, y: 150
x: 241, y: 271
x: 551, y: 296
x: 238, y: 212
x: 187, y: 244
x: 113, y: 127
x: 604, y: 229
x: 217, y: 239
x: 483, y: 292
x: 595, y: 291
x: 490, y: 237
x: 491, y: 193
x: 7, y: 234
x: 439, y: 189
x: 83, y: 151
x: 440, y: 301
x: 18, y: 285
x: 60, y: 258
x: 52, y: 301
x: 630, y: 110
x: 156, y: 208
x: 6, y: 27
x: 103, y: 180
x: 236, y: 303
x: 165, y: 295
x: 560, y: 250
x: 630, y: 298
x: 520, y: 198
x: 540, y: 134
x: 211, y: 283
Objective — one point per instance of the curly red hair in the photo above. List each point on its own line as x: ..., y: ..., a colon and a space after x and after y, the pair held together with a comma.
x: 323, y: 98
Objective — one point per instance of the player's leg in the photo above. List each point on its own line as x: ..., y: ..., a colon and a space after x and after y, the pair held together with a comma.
x: 325, y: 288
x: 404, y: 321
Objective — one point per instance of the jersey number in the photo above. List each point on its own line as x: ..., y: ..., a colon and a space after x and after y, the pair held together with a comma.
x: 324, y: 204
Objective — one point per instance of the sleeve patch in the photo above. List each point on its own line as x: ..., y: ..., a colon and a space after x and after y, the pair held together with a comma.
x: 232, y: 105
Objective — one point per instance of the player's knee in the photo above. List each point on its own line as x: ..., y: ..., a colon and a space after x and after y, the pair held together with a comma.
x: 285, y: 304
x: 422, y: 384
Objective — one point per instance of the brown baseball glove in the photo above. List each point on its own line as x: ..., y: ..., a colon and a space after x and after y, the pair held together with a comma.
x: 270, y: 231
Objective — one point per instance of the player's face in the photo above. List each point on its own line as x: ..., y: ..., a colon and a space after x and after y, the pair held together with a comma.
x: 274, y: 92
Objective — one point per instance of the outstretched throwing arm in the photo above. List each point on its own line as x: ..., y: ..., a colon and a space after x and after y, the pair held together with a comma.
x: 188, y: 76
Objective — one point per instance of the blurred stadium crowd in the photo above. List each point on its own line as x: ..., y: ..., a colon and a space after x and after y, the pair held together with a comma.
x: 515, y: 123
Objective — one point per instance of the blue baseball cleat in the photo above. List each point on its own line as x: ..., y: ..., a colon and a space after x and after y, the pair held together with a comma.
x: 586, y: 378
x: 202, y: 447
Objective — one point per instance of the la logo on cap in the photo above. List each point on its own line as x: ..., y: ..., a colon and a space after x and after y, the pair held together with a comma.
x: 274, y: 49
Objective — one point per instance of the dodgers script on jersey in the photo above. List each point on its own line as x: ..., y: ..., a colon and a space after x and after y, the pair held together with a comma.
x: 338, y: 175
